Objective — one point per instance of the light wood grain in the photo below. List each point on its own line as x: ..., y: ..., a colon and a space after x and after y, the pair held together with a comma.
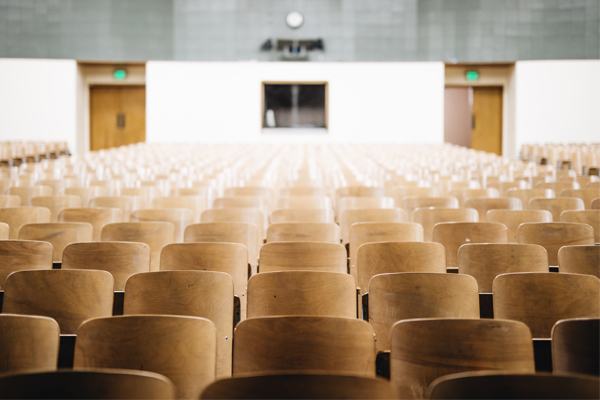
x: 247, y: 215
x: 527, y: 194
x: 127, y: 204
x: 428, y: 217
x: 183, y: 349
x: 402, y: 192
x: 356, y: 203
x: 576, y: 346
x: 426, y: 349
x: 4, y: 231
x: 303, y: 191
x: 56, y: 204
x: 554, y: 235
x: 484, y: 204
x: 590, y: 217
x: 411, y: 203
x: 259, y: 203
x: 259, y: 191
x: 359, y: 191
x: 196, y: 204
x: 304, y: 202
x: 503, y: 187
x: 19, y: 255
x: 121, y: 259
x: 18, y: 216
x: 205, y: 294
x: 464, y: 194
x: 301, y: 215
x: 513, y: 218
x: 557, y: 187
x: 86, y: 193
x: 587, y: 195
x: 304, y: 232
x: 70, y: 297
x: 557, y: 205
x: 97, y: 217
x: 305, y: 256
x: 596, y: 204
x: 340, y: 345
x: 179, y: 217
x: 59, y: 185
x: 26, y: 193
x: 579, y: 260
x: 398, y: 296
x: 146, y: 194
x: 9, y: 200
x: 350, y: 217
x: 541, y: 299
x: 58, y: 234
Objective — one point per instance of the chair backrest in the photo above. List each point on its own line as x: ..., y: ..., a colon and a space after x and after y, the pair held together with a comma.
x: 261, y: 191
x: 16, y: 217
x: 556, y: 205
x: 411, y: 203
x: 398, y: 296
x: 127, y: 204
x: 183, y: 349
x: 229, y: 232
x: 485, y: 261
x: 596, y: 204
x: 557, y: 187
x: 70, y: 297
x: 576, y: 346
x: 360, y: 202
x: 97, y: 217
x: 587, y: 195
x: 402, y: 192
x: 121, y: 259
x: 179, y: 217
x: 425, y: 349
x: 26, y: 193
x: 590, y: 217
x: 513, y: 218
x: 313, y: 293
x: 304, y: 202
x: 19, y: 255
x: 301, y: 343
x: 205, y: 294
x: 196, y: 204
x: 554, y: 235
x: 464, y: 194
x: 428, y: 217
x: 484, y: 204
x: 579, y: 260
x: 304, y: 232
x: 29, y: 343
x: 259, y: 203
x: 301, y: 215
x: 511, y: 385
x: 155, y: 234
x: 390, y: 257
x: 58, y: 234
x: 503, y: 187
x: 248, y: 215
x: 303, y: 191
x: 452, y: 235
x: 9, y: 200
x: 351, y: 217
x: 56, y: 204
x: 86, y: 193
x: 527, y: 194
x: 302, y: 386
x: 303, y: 256
x: 359, y: 191
x: 87, y: 384
x: 541, y: 299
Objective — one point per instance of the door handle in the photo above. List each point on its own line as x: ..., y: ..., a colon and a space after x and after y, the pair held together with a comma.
x: 472, y: 121
x: 120, y: 120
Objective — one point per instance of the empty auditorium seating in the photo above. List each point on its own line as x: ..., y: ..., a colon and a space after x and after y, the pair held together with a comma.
x: 327, y: 232
x: 97, y: 217
x: 513, y: 218
x: 579, y: 260
x: 428, y: 217
x: 59, y: 234
x: 308, y: 256
x: 18, y: 255
x: 16, y: 217
x: 56, y: 204
x: 590, y: 217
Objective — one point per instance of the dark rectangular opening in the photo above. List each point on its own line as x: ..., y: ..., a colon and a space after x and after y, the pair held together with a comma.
x: 294, y: 105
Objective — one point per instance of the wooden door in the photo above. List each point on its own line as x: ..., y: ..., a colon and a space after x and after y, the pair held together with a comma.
x: 117, y: 116
x: 486, y: 130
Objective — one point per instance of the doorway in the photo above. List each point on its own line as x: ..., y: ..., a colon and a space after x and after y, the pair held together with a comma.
x: 473, y: 117
x: 117, y: 115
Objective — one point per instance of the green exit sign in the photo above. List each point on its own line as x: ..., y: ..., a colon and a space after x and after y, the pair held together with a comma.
x: 120, y: 74
x: 472, y: 75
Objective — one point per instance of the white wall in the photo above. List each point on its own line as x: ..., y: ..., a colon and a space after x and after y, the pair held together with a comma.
x: 38, y: 100
x: 221, y: 102
x: 557, y: 101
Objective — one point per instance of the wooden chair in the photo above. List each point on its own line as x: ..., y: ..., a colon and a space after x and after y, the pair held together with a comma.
x: 587, y: 195
x: 350, y: 217
x: 26, y: 193
x: 179, y: 217
x: 357, y: 203
x: 576, y: 346
x: 56, y: 204
x: 579, y: 260
x: 70, y: 297
x: 303, y: 191
x: 183, y: 349
x: 231, y: 232
x: 513, y: 218
x: 411, y: 203
x: 87, y: 384
x: 4, y: 231
x: 428, y: 217
x: 464, y: 194
x: 512, y: 385
x: 86, y: 193
x: 58, y: 234
x: 302, y: 386
x: 452, y: 235
x: 301, y: 215
x: 596, y: 204
x: 400, y: 193
x: 248, y: 215
x: 121, y: 259
x: 127, y: 204
x: 399, y: 296
x: 18, y: 216
x: 253, y: 202
x: 302, y: 343
x: 303, y: 256
x: 359, y: 191
x: 29, y: 343
x: 554, y: 235
x: 304, y: 202
x: 97, y: 217
x: 9, y: 200
x: 385, y: 258
x: 145, y: 194
x: 485, y: 261
x: 557, y: 187
x: 503, y: 187
x: 156, y: 235
x: 230, y: 258
x: 371, y: 232
x: 426, y: 349
x: 312, y: 293
x: 19, y: 255
x: 484, y: 204
x: 541, y: 299
x: 590, y: 217
x: 527, y: 194
x: 196, y: 204
x: 593, y: 185
x: 206, y: 294
x: 557, y: 205
x: 304, y: 232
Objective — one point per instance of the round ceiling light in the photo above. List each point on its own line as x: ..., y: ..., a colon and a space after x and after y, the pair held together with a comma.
x: 294, y: 19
